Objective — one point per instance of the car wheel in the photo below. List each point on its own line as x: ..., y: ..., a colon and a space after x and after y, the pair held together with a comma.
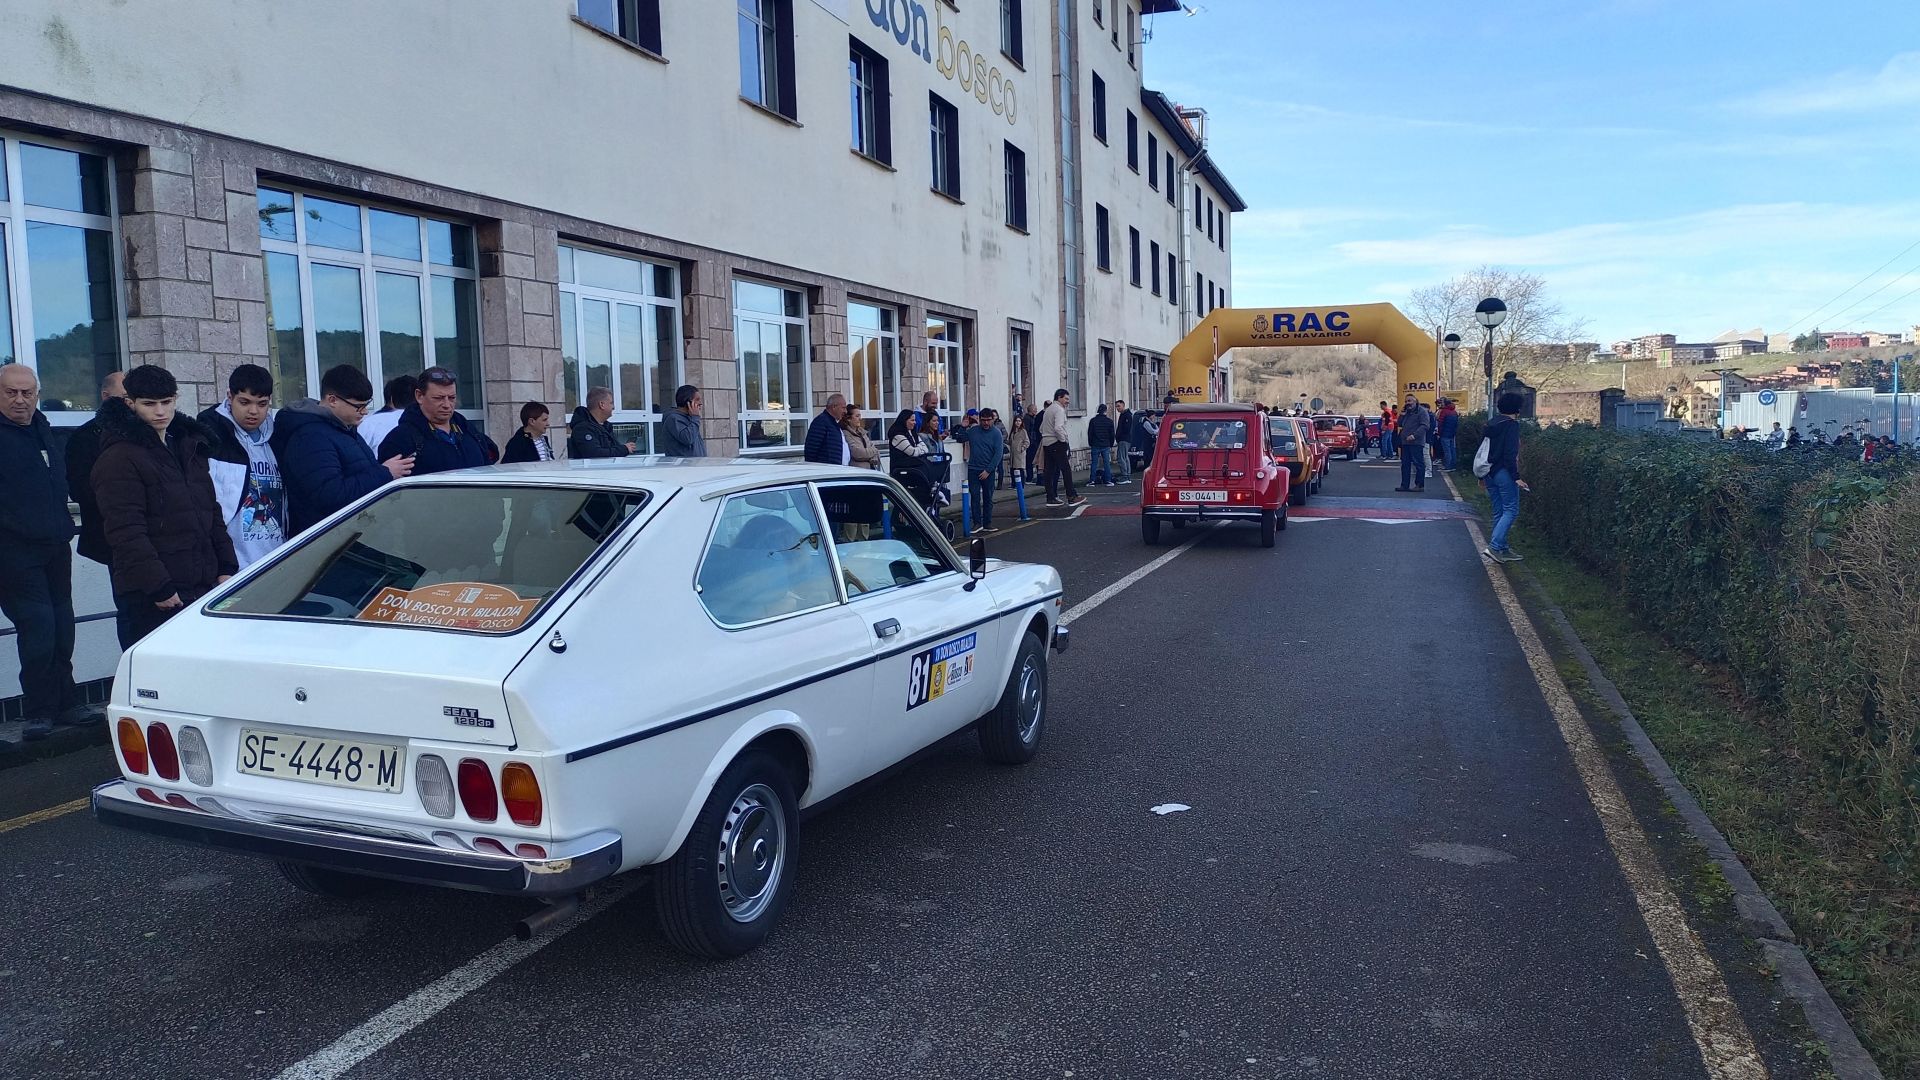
x: 1010, y: 734
x: 721, y: 893
x: 1282, y: 524
x: 1297, y: 496
x: 1150, y: 529
x: 1267, y: 526
x: 320, y: 881
x: 1178, y: 524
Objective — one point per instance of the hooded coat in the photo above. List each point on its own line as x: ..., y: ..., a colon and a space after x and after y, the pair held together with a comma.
x: 589, y: 438
x: 323, y: 463
x: 433, y: 451
x: 162, y: 522
x: 257, y: 520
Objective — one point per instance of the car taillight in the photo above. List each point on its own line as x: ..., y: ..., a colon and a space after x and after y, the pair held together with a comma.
x: 133, y: 745
x: 166, y: 760
x: 1239, y: 496
x: 477, y: 796
x: 195, y: 761
x: 520, y: 790
x: 530, y: 851
x: 436, y: 786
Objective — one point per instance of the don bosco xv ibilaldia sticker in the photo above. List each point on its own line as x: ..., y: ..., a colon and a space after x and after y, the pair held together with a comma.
x: 939, y: 670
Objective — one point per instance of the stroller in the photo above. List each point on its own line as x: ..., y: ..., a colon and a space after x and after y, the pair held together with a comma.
x: 925, y: 478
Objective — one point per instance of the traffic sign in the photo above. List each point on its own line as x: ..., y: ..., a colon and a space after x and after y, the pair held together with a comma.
x: 1316, y: 404
x: 1768, y: 397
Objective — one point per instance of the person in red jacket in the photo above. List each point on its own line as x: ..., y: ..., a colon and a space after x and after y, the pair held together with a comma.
x: 1389, y: 420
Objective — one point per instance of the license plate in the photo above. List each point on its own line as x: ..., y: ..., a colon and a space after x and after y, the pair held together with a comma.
x: 1203, y: 496
x: 366, y: 766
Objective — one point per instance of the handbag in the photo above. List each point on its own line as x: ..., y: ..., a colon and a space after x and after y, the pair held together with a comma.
x: 1483, y: 458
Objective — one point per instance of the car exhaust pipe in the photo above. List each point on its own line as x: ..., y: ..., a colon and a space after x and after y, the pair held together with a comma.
x: 540, y: 921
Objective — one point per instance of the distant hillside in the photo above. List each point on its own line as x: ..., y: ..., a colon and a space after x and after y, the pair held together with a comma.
x: 1349, y: 378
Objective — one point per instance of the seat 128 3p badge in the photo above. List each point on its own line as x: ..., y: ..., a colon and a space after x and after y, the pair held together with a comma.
x: 938, y: 670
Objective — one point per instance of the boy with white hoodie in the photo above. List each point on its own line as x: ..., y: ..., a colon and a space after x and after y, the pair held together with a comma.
x: 246, y: 475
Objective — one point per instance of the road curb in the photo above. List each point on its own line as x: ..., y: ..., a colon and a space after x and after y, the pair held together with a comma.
x: 62, y: 740
x: 1849, y: 1060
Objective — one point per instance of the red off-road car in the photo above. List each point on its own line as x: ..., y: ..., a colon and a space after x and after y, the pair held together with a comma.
x: 1212, y: 464
x: 1337, y: 432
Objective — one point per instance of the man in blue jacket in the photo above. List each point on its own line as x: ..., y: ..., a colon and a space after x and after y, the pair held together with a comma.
x: 324, y: 464
x: 986, y: 452
x: 437, y: 437
x: 826, y: 443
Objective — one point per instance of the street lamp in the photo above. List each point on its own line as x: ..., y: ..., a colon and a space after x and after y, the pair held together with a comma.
x: 1452, y: 344
x: 1490, y: 313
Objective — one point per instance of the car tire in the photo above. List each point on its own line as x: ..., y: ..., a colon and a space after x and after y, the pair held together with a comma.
x: 334, y: 884
x: 1282, y: 523
x: 1297, y: 496
x: 1178, y: 524
x: 1011, y: 733
x: 1267, y: 526
x: 1150, y: 529
x: 721, y: 893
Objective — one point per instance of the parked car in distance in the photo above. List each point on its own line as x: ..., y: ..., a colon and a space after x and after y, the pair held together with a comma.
x: 1322, y: 457
x: 1211, y: 464
x: 526, y: 679
x: 1289, y: 447
x: 1337, y: 432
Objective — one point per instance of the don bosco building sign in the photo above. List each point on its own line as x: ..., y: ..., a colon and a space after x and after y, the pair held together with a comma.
x: 954, y: 57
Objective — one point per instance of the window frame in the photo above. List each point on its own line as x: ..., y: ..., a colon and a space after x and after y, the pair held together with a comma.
x: 787, y: 416
x: 1153, y: 255
x: 943, y: 126
x: 954, y: 402
x: 653, y: 413
x: 1133, y: 256
x: 1171, y: 201
x: 915, y: 516
x: 1133, y: 34
x: 1014, y: 175
x: 892, y: 372
x: 870, y: 102
x: 1153, y: 161
x: 1133, y: 140
x: 1103, y: 240
x: 1013, y: 33
x: 1099, y: 6
x: 820, y: 519
x: 638, y: 24
x: 15, y: 215
x: 1099, y: 106
x: 774, y: 19
x: 1174, y: 282
x: 370, y: 266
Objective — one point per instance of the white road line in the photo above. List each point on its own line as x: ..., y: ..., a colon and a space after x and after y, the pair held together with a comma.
x: 1726, y: 1046
x: 427, y: 1002
x: 1125, y: 583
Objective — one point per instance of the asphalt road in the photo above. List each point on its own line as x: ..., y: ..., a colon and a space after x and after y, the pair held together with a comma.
x: 1389, y: 868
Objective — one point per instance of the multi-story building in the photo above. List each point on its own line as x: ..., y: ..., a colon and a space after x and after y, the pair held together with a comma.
x: 1648, y: 346
x: 773, y: 200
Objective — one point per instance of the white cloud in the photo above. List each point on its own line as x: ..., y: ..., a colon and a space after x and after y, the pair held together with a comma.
x: 1897, y: 83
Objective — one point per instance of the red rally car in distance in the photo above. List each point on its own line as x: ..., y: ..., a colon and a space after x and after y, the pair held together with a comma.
x: 1338, y: 434
x: 1211, y: 463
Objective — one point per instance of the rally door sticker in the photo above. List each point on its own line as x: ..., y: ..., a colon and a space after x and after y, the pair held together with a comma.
x: 939, y: 670
x: 456, y: 605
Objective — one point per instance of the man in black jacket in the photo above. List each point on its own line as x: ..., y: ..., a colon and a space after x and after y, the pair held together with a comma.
x: 36, y: 567
x: 590, y: 435
x: 1100, y: 439
x: 826, y: 443
x: 83, y: 450
x: 434, y: 432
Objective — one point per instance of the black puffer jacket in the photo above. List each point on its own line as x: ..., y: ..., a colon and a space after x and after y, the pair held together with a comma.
x: 589, y: 438
x: 83, y: 451
x: 162, y: 521
x: 33, y: 484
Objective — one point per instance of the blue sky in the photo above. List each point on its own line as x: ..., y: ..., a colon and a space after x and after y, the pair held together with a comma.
x: 1681, y: 166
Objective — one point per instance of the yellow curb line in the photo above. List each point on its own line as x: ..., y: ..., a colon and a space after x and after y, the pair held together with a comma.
x: 39, y: 816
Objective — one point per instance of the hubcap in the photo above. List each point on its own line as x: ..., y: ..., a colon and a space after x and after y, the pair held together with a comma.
x: 753, y: 853
x: 1033, y: 698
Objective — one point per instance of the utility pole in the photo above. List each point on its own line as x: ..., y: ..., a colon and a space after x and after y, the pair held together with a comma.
x: 1724, y: 373
x: 1896, y: 395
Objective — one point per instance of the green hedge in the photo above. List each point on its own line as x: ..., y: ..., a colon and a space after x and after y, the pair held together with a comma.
x: 1799, y: 571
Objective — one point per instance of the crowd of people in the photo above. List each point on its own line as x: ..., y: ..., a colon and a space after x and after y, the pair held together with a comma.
x: 172, y: 505
x: 1863, y: 445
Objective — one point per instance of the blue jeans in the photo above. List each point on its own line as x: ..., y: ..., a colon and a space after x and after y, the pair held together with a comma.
x: 981, y: 492
x: 1102, y: 472
x: 1386, y: 445
x: 1121, y: 459
x: 36, y: 594
x: 1504, y: 492
x: 1447, y: 452
x: 1413, y: 466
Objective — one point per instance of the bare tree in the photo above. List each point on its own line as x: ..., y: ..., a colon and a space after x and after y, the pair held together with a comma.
x: 1535, y: 322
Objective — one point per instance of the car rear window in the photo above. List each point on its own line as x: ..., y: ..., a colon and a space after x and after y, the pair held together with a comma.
x: 466, y: 557
x: 1281, y: 437
x: 1330, y: 423
x: 1205, y: 434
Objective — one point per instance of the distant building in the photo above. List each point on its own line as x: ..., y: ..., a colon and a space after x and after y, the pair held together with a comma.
x: 1648, y: 346
x: 1876, y: 340
x: 1844, y: 341
x: 1779, y: 343
x: 1684, y: 354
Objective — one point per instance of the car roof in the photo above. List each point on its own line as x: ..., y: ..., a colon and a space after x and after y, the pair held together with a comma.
x: 1190, y: 407
x: 652, y: 472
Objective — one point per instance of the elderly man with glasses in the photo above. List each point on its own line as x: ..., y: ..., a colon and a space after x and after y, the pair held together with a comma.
x: 324, y: 464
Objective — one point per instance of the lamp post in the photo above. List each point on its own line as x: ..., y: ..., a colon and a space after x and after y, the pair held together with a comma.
x: 1490, y: 313
x: 1452, y: 344
x: 1896, y: 395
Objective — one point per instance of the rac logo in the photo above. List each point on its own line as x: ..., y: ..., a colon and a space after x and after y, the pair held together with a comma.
x: 1308, y: 323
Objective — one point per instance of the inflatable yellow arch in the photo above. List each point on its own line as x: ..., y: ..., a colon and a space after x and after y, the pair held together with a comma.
x: 1413, y: 352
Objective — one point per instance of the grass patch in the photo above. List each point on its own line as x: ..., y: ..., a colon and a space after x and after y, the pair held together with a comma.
x: 1857, y: 918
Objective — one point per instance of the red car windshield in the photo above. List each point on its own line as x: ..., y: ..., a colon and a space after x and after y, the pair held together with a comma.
x: 1207, y: 435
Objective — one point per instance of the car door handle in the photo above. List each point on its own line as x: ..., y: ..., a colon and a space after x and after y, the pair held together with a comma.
x: 887, y: 628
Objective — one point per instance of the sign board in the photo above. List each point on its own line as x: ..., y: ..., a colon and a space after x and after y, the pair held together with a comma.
x: 1316, y: 404
x: 457, y: 605
x: 1768, y: 397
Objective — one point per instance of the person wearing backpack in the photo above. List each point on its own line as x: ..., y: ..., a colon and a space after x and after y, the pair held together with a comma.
x: 1497, y: 463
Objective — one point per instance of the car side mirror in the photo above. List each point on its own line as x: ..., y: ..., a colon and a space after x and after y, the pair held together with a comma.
x: 976, y: 561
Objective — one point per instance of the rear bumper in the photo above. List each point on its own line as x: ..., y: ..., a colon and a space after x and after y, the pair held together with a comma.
x: 1205, y: 512
x: 439, y: 858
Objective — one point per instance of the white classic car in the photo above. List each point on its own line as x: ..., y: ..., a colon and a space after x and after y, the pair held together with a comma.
x: 527, y: 679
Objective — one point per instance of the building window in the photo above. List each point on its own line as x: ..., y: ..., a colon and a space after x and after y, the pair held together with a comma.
x: 770, y: 348
x: 869, y: 94
x: 1099, y: 10
x: 1213, y: 217
x: 620, y: 328
x: 1170, y: 194
x: 1115, y: 22
x: 1223, y: 231
x: 1016, y: 175
x: 1019, y: 363
x: 947, y: 365
x: 1133, y: 255
x: 389, y: 292
x: 1173, y: 279
x: 1200, y: 291
x: 1012, y: 37
x: 1132, y: 37
x: 1100, y: 108
x: 1199, y: 206
x: 1154, y: 255
x: 873, y: 347
x: 1133, y: 141
x: 1102, y: 239
x: 57, y: 256
x: 766, y: 54
x: 636, y: 21
x: 1153, y: 161
x: 946, y: 147
x: 1075, y: 380
x: 1107, y: 385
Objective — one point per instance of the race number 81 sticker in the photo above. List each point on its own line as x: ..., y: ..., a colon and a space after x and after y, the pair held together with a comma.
x: 939, y: 670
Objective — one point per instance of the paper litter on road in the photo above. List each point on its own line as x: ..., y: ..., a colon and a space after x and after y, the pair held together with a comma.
x: 1166, y: 808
